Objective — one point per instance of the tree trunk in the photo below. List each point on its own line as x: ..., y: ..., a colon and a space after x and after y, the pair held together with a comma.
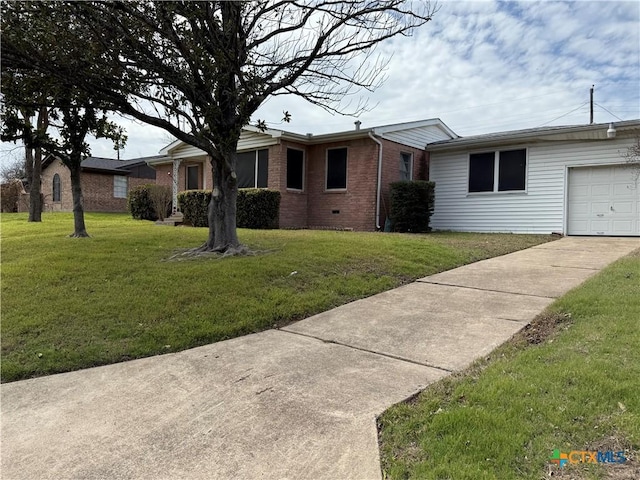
x: 35, y: 191
x: 79, y: 229
x: 35, y: 188
x: 222, y: 211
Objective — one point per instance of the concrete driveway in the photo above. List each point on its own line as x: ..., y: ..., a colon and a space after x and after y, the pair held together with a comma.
x: 298, y: 403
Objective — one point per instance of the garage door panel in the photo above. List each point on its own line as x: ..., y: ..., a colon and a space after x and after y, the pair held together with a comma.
x: 623, y: 227
x: 601, y: 190
x: 603, y: 201
x: 623, y: 207
x: 599, y: 207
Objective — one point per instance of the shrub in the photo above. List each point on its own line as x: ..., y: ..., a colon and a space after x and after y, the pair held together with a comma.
x: 194, y: 205
x: 10, y: 195
x: 160, y: 196
x: 411, y: 206
x: 140, y: 204
x: 256, y: 207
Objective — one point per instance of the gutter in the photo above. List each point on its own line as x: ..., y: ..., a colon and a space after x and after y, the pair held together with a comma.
x: 379, y: 187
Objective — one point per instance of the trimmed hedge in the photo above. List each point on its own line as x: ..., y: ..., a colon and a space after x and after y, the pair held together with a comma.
x: 139, y: 203
x: 411, y: 205
x: 256, y: 207
x: 194, y: 205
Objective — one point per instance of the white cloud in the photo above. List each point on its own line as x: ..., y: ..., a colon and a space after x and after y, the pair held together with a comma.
x: 486, y: 66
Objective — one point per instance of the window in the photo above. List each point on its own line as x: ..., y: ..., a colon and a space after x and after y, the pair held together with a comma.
x: 498, y: 171
x: 119, y: 186
x: 252, y: 169
x: 57, y: 190
x: 406, y: 166
x: 193, y: 177
x: 295, y: 169
x: 337, y: 169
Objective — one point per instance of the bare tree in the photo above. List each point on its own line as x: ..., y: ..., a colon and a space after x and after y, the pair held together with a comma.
x: 632, y: 157
x: 200, y: 70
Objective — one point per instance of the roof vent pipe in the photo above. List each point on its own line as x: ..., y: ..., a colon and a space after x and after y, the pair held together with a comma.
x: 357, y: 123
x: 611, y: 133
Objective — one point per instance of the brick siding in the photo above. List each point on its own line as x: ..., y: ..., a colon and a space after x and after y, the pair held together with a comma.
x: 97, y: 190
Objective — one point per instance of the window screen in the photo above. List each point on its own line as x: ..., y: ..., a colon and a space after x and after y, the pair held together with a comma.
x: 295, y: 169
x: 481, y: 171
x: 246, y: 170
x: 512, y: 170
x: 192, y: 177
x: 337, y: 168
x: 405, y: 166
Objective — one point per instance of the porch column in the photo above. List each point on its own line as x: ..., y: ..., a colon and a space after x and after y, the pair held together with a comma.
x: 174, y: 183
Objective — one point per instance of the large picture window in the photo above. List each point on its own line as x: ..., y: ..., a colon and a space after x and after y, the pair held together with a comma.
x: 57, y: 188
x: 295, y: 169
x: 337, y: 168
x: 252, y: 169
x: 503, y: 171
x: 119, y: 186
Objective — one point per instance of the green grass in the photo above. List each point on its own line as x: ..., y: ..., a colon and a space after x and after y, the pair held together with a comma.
x: 577, y: 389
x: 74, y: 303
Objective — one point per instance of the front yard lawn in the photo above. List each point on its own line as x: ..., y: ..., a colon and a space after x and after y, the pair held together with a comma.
x: 569, y: 382
x: 72, y: 303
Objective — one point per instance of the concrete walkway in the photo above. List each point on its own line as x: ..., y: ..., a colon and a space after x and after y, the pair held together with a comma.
x: 298, y: 403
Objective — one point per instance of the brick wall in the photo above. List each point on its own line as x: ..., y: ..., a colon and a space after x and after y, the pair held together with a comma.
x: 97, y: 190
x: 391, y: 171
x: 293, y: 203
x: 353, y: 207
x: 314, y: 206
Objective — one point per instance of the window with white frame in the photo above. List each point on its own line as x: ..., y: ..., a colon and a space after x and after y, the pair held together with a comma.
x: 501, y: 171
x: 295, y: 169
x: 406, y: 166
x: 336, y: 169
x: 252, y: 169
x: 119, y: 186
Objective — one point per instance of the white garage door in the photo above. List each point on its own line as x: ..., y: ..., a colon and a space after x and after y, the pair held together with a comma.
x: 603, y: 201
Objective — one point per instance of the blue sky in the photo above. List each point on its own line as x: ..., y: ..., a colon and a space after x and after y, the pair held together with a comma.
x: 481, y: 67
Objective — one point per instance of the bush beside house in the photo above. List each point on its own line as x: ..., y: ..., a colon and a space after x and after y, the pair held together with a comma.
x: 139, y: 203
x: 256, y: 208
x: 411, y: 205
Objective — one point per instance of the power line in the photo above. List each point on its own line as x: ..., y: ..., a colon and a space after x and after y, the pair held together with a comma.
x: 561, y: 116
x: 607, y: 111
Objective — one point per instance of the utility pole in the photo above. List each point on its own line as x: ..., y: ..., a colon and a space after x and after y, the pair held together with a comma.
x: 591, y: 106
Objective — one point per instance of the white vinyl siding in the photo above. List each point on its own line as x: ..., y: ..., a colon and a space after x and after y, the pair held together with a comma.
x: 541, y: 209
x: 417, y: 137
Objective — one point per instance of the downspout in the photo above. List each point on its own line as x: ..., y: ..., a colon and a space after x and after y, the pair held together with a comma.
x: 379, y: 188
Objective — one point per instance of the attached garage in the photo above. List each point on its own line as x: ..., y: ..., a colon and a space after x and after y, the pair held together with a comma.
x: 570, y: 180
x: 603, y: 201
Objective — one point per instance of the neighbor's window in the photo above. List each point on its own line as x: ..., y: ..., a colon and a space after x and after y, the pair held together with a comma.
x: 252, y: 169
x: 406, y: 166
x: 337, y: 168
x: 498, y: 171
x: 193, y: 175
x: 295, y: 169
x: 57, y: 190
x: 119, y: 186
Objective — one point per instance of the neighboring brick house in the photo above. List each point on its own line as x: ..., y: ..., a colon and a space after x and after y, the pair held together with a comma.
x: 105, y: 183
x: 336, y: 180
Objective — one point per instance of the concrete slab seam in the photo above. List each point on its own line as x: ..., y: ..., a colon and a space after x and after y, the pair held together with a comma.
x: 360, y: 349
x: 483, y: 289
